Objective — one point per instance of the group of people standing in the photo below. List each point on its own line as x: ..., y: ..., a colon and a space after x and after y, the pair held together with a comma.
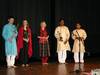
x: 22, y: 48
x: 62, y: 35
x: 18, y: 44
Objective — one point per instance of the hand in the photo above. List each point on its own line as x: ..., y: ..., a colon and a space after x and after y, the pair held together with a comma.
x: 65, y: 42
x: 81, y: 38
x: 10, y: 40
x: 61, y: 39
x: 38, y: 37
x: 77, y: 38
x: 47, y: 37
x: 14, y: 35
x: 41, y: 37
x: 26, y: 40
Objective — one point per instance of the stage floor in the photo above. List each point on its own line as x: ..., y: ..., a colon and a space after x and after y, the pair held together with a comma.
x: 53, y: 68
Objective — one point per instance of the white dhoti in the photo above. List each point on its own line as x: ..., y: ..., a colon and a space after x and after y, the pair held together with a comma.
x: 76, y: 57
x: 62, y: 55
x: 10, y: 60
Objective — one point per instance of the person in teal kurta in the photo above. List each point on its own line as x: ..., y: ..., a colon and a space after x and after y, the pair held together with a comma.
x: 9, y: 34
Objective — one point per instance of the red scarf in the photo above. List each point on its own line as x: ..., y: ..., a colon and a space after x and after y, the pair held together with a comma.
x: 43, y: 33
x: 20, y: 40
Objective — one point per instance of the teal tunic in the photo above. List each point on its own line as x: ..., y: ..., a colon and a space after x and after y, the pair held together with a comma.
x: 10, y: 32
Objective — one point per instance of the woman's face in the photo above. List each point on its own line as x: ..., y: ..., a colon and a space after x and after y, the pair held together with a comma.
x: 43, y: 25
x: 25, y: 23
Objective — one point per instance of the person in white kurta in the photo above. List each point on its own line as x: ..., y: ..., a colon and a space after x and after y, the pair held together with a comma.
x: 62, y: 35
x: 79, y: 35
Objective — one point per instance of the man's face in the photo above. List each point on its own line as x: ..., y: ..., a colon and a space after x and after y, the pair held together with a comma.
x: 62, y: 23
x: 78, y: 26
x: 11, y: 20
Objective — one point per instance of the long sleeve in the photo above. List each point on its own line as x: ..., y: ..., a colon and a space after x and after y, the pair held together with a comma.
x: 57, y: 33
x: 67, y: 33
x: 5, y: 33
x: 73, y: 35
x: 84, y: 34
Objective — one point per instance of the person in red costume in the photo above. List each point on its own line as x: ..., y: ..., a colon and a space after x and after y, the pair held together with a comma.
x: 24, y: 43
x: 43, y: 43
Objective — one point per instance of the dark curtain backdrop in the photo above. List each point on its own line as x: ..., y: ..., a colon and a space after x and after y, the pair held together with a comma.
x: 85, y: 11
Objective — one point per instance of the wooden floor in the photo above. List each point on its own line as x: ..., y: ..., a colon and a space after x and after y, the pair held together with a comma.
x: 52, y: 68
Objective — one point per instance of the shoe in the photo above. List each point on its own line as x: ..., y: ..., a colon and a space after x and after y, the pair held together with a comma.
x: 81, y: 62
x: 8, y: 67
x: 27, y: 65
x: 66, y: 63
x: 23, y: 65
x: 62, y: 62
x: 76, y: 62
x: 45, y: 63
x: 14, y: 66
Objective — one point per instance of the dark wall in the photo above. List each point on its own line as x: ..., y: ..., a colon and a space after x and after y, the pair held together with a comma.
x: 85, y: 11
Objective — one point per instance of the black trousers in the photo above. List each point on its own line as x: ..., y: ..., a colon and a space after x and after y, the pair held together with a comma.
x: 24, y: 54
